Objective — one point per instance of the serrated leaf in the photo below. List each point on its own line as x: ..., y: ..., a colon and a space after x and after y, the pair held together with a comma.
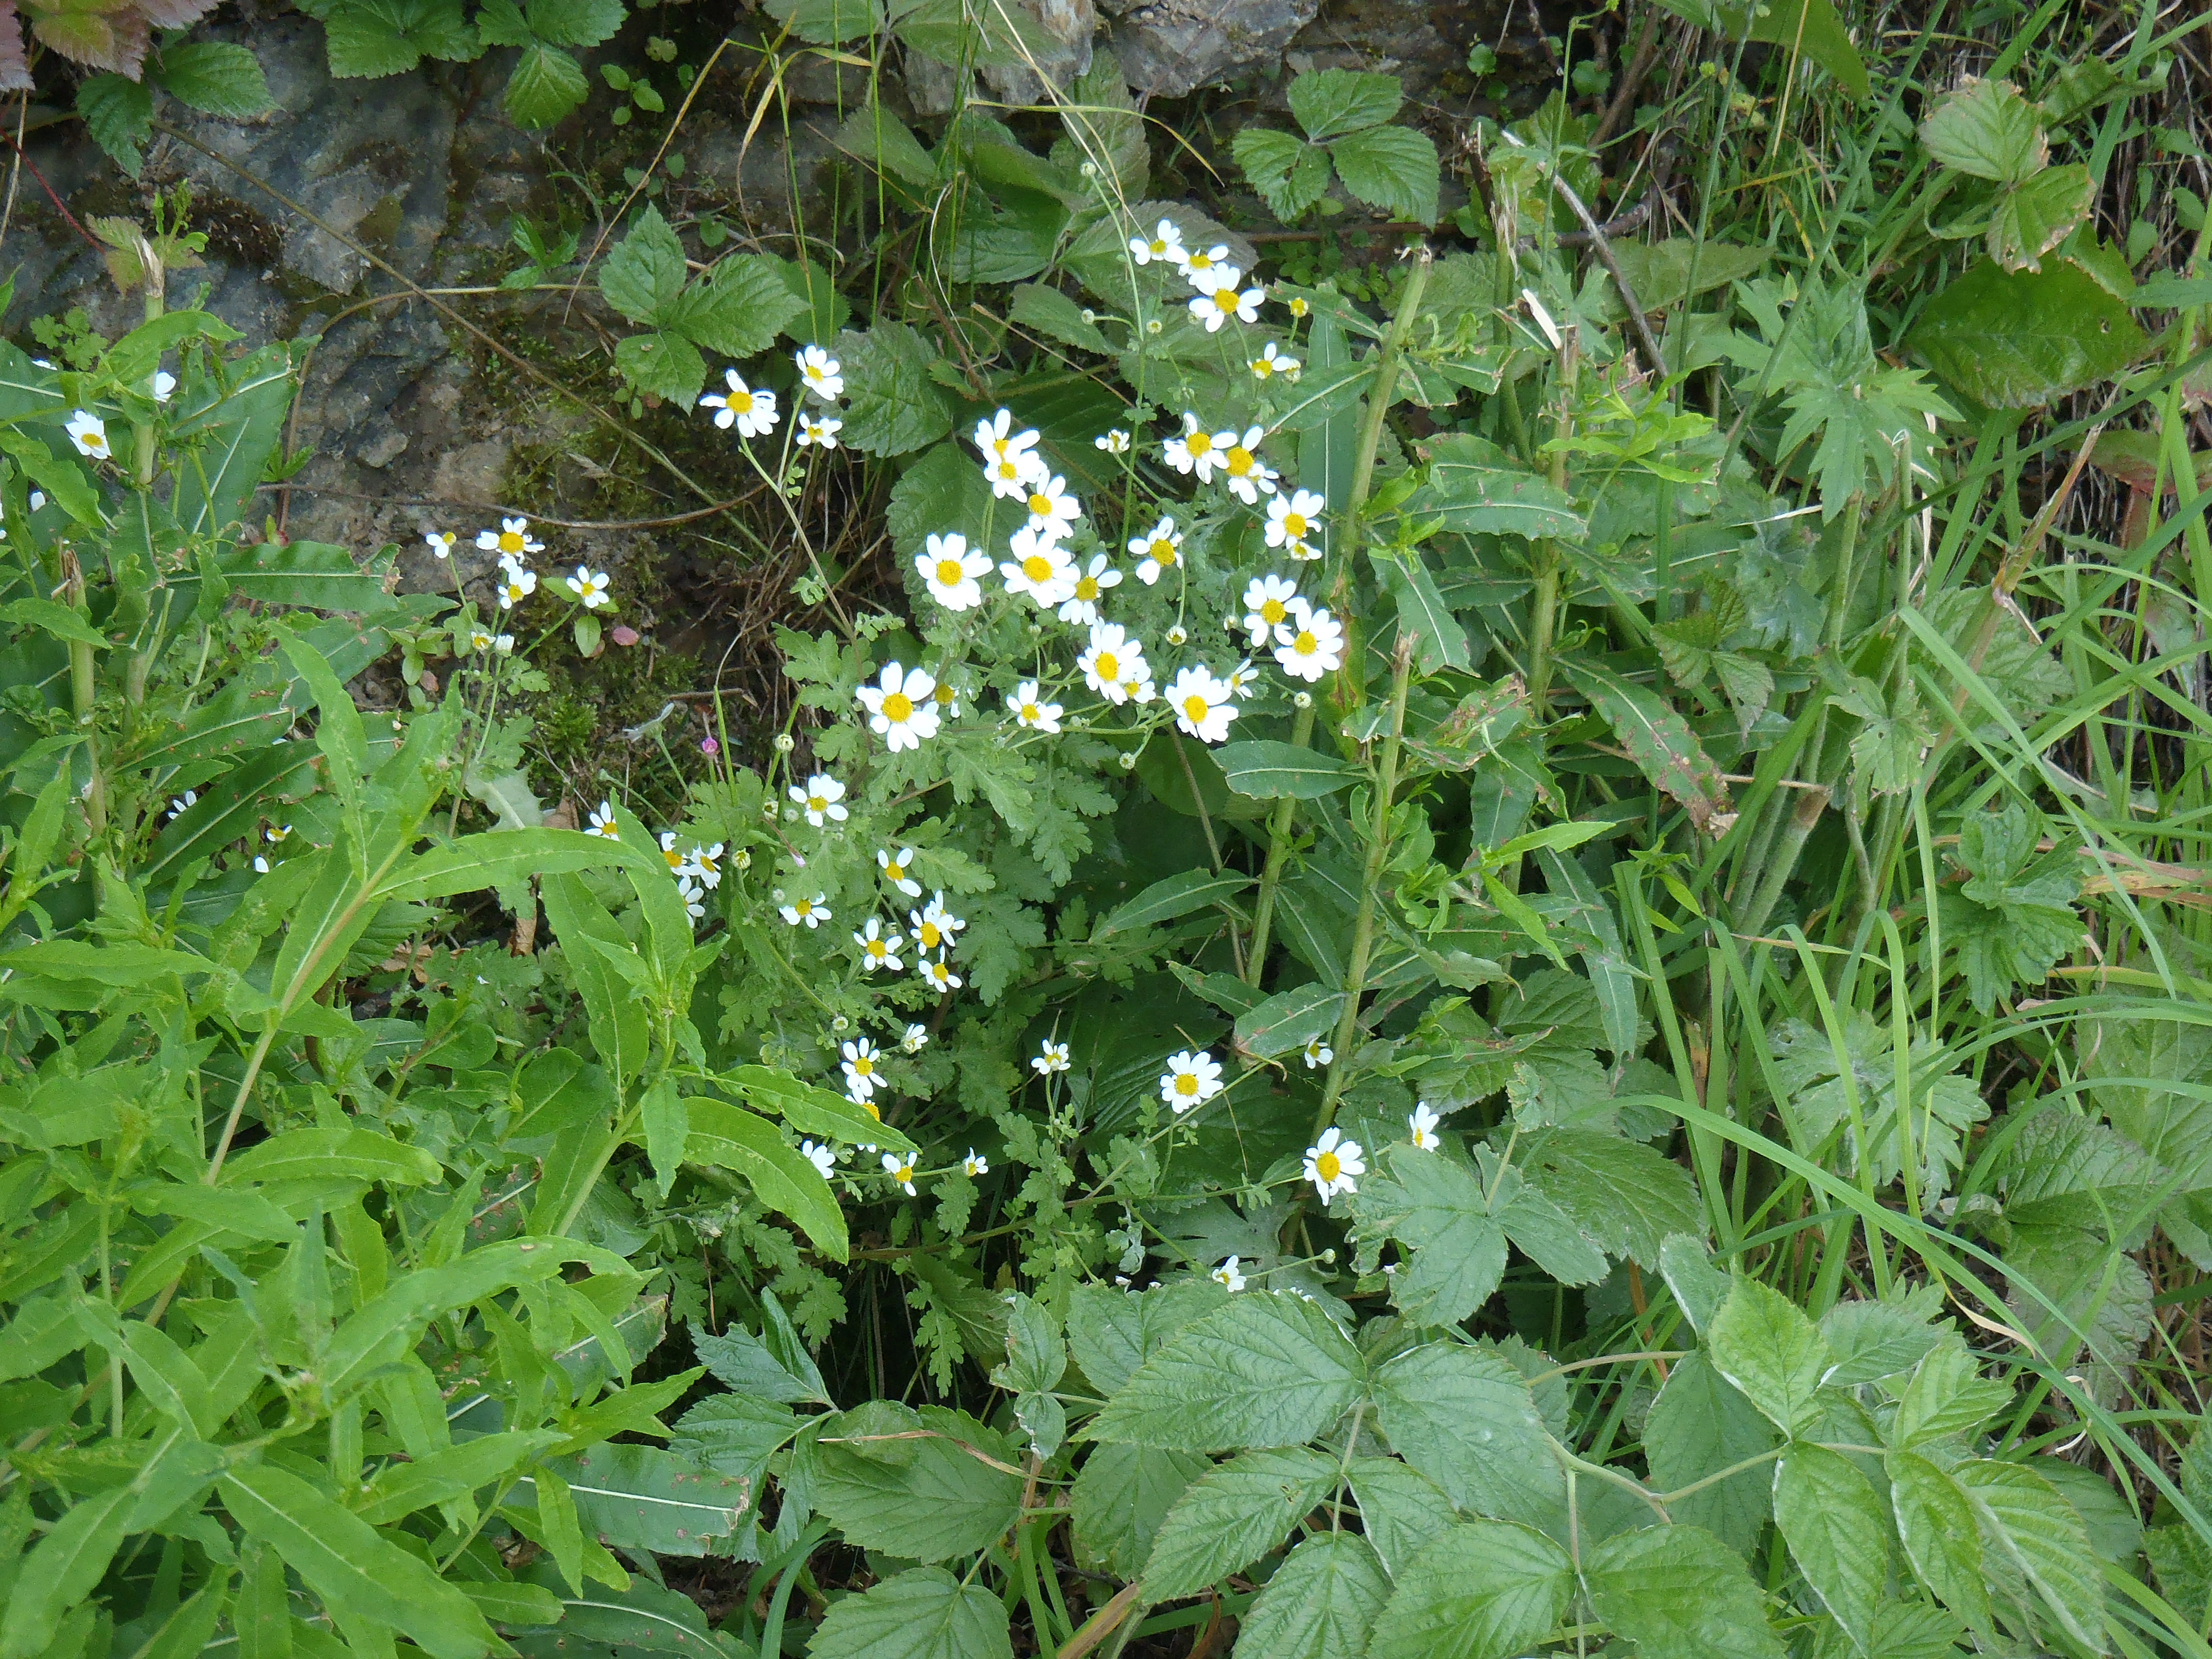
x: 1393, y: 168
x: 380, y: 38
x: 1658, y: 740
x: 1121, y: 1495
x: 2018, y: 339
x: 1987, y: 129
x: 1761, y: 1342
x: 1112, y: 1333
x: 1322, y: 1601
x: 1941, y: 1540
x: 644, y: 272
x: 1232, y: 1515
x: 2024, y: 1516
x: 577, y: 22
x: 1836, y: 1532
x: 118, y: 113
x: 737, y: 308
x: 923, y: 1613
x: 1053, y: 314
x: 1401, y: 1510
x: 217, y: 77
x: 1699, y: 1425
x: 939, y: 1501
x: 1334, y: 101
x: 1481, y: 1590
x: 1624, y: 1195
x: 546, y: 84
x: 1945, y: 1396
x: 2034, y: 218
x: 1465, y: 1419
x: 892, y: 406
x: 1267, y: 1369
x: 1679, y: 1593
x: 1290, y: 175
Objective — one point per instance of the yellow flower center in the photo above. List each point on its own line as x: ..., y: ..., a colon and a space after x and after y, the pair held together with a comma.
x: 1040, y: 504
x: 1272, y: 612
x: 898, y: 708
x: 1305, y: 645
x: 1225, y: 299
x: 817, y: 803
x: 814, y: 371
x: 904, y: 1173
x: 1086, y: 587
x: 863, y: 1067
x: 877, y: 949
x: 1262, y: 367
x: 673, y: 857
x: 1294, y: 524
x: 1162, y: 551
x: 1297, y: 307
x: 1240, y: 461
x: 1199, y: 262
x: 1328, y: 1166
x: 1200, y: 444
x: 1036, y: 567
x: 929, y: 937
x: 805, y: 907
x: 1186, y: 1083
x: 1158, y: 246
x: 706, y: 861
x: 742, y: 402
x: 895, y: 871
x: 1197, y: 708
x: 950, y: 573
x: 869, y: 1106
x: 1109, y: 666
x: 510, y: 541
x: 1029, y: 715
x: 1009, y: 469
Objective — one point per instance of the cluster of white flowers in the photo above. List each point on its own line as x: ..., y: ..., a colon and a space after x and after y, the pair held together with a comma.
x: 752, y: 410
x: 697, y: 869
x: 514, y: 545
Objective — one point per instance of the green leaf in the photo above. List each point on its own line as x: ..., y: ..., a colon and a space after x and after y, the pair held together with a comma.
x: 216, y: 77
x: 118, y: 113
x: 1401, y: 1509
x: 1232, y: 1515
x: 1699, y: 1425
x: 546, y: 84
x: 1440, y: 1213
x: 892, y: 406
x: 1322, y: 1601
x: 359, y: 1574
x: 724, y: 1137
x: 1465, y: 1419
x: 377, y: 38
x: 1422, y: 612
x: 1626, y: 1196
x: 1170, y: 899
x: 1812, y: 26
x: 1290, y: 175
x: 937, y: 1500
x: 640, y: 1498
x: 813, y: 1110
x: 1679, y: 1593
x: 1289, y: 1020
x: 478, y: 863
x: 1987, y: 129
x: 1658, y: 740
x: 1836, y: 1530
x: 923, y: 1613
x: 827, y: 22
x: 2023, y: 1515
x: 1393, y: 168
x: 57, y: 619
x: 1936, y: 1525
x: 1267, y: 1369
x: 1268, y: 770
x: 1875, y: 1340
x: 1121, y: 1495
x: 742, y: 1361
x: 2018, y: 340
x: 1478, y: 490
x: 1053, y: 314
x: 354, y: 1154
x: 1481, y: 1590
x: 62, y: 1568
x: 375, y: 1332
x: 644, y: 273
x: 1761, y: 1342
x: 1945, y: 1396
x: 577, y: 22
x: 737, y: 308
x: 1337, y: 101
x: 1110, y: 1333
x: 2034, y: 218
x: 664, y: 365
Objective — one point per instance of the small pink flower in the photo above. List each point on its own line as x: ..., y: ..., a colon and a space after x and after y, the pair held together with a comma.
x: 708, y: 746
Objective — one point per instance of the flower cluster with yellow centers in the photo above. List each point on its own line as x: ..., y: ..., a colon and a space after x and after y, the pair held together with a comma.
x: 902, y: 706
x: 1220, y: 299
x: 1192, y: 1079
x: 1332, y: 1162
x: 750, y: 409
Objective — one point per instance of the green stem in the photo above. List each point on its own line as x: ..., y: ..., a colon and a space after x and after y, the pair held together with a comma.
x: 1278, y: 846
x: 1378, y: 855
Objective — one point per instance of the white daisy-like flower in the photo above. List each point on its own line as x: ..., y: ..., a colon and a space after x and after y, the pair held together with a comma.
x: 694, y: 897
x: 479, y: 641
x: 178, y: 803
x: 1248, y: 478
x: 1243, y: 680
x: 861, y: 1074
x: 164, y: 386
x: 821, y: 374
x: 1011, y: 476
x: 901, y: 1170
x: 1204, y: 703
x: 706, y: 864
x: 1271, y: 363
x: 1227, y: 302
x: 1158, y: 550
x: 939, y: 974
x: 504, y: 644
x: 935, y: 928
x: 1116, y: 442
x: 818, y: 797
x: 1111, y: 660
x: 901, y: 708
x: 441, y: 542
x: 1053, y: 508
x: 1208, y: 263
x: 974, y: 1164
x: 821, y: 1156
x: 750, y: 409
x: 813, y: 912
x: 1041, y: 568
x: 89, y: 434
x: 1050, y: 1058
x: 1028, y: 707
x: 511, y: 541
x: 679, y: 861
x: 278, y: 833
x: 1422, y: 1125
x: 1331, y: 1162
x: 897, y: 870
x: 1165, y: 243
x: 1192, y: 1079
x: 1090, y: 585
x: 589, y: 586
x: 915, y: 1040
x: 1310, y: 644
x: 603, y: 822
x: 1267, y: 605
x: 877, y: 948
x: 1009, y: 457
x: 1192, y: 450
x: 1227, y: 1276
x: 516, y: 584
x: 949, y: 566
x: 948, y: 700
x: 1294, y: 518
x: 1298, y: 307
x: 818, y: 432
x: 1318, y: 1053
